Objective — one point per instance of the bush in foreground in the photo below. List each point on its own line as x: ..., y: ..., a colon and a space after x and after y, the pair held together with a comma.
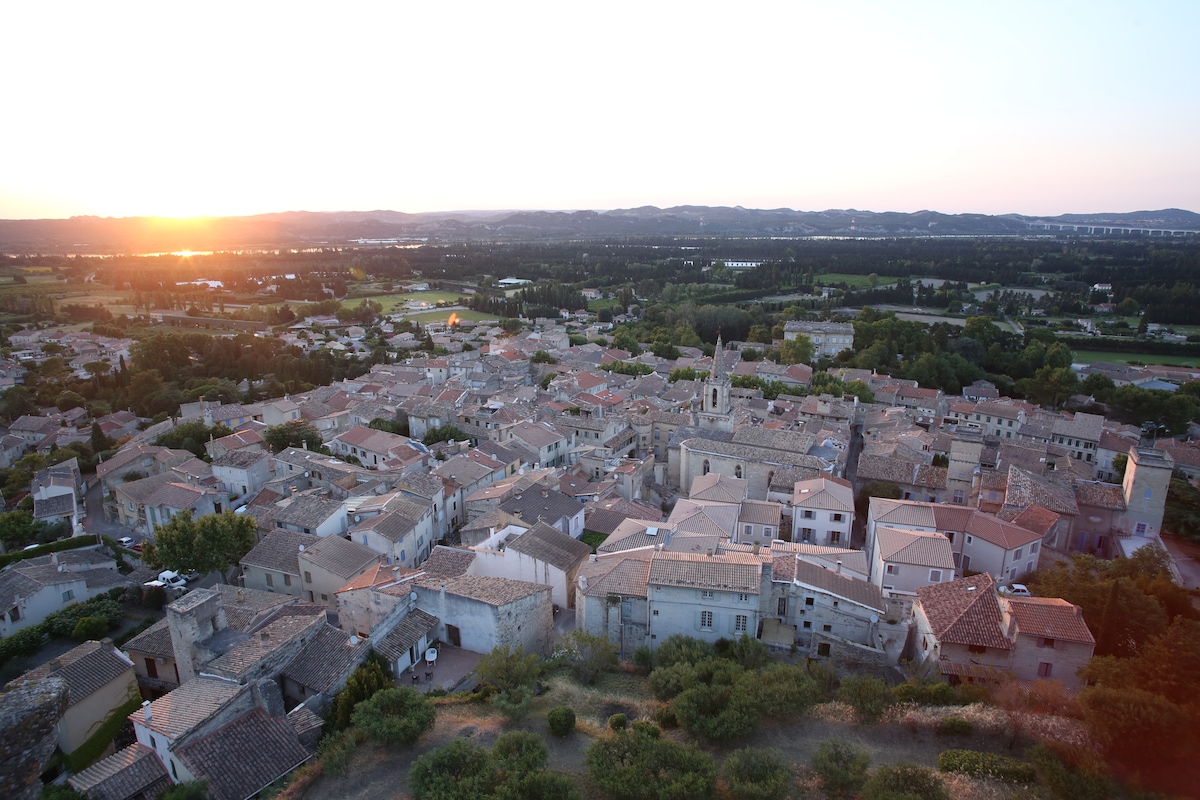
x: 561, y: 720
x: 632, y: 766
x: 394, y: 716
x: 513, y: 768
x: 755, y: 774
x: 904, y: 782
x: 841, y: 765
x: 986, y: 765
x: 870, y: 697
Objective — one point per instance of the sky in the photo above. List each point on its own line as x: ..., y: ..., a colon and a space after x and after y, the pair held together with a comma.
x: 237, y: 108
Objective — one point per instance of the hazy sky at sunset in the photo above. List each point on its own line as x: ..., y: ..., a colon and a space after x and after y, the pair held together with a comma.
x: 175, y: 108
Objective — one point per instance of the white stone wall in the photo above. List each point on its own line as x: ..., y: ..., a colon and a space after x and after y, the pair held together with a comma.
x: 676, y: 610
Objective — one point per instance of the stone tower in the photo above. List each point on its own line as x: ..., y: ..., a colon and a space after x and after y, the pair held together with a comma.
x: 194, y: 620
x: 1147, y: 477
x: 714, y: 402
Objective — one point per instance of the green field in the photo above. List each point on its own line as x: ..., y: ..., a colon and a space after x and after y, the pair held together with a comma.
x: 853, y: 281
x: 1135, y: 358
x: 442, y: 314
x: 389, y: 300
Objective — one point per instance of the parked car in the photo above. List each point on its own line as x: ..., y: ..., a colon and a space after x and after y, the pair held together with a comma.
x: 172, y: 579
x: 126, y: 542
x: 137, y: 547
x: 191, y: 576
x: 1016, y: 590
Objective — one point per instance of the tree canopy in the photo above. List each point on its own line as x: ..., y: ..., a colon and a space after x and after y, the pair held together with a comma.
x: 214, y: 542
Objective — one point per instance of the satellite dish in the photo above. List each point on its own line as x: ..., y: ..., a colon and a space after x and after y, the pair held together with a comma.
x: 413, y: 596
x: 874, y: 618
x: 358, y: 517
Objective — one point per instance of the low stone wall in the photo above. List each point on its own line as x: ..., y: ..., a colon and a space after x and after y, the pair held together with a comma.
x: 28, y: 735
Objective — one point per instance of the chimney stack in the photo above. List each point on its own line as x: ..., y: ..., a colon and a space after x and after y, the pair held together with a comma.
x: 839, y: 567
x: 146, y: 709
x: 754, y: 550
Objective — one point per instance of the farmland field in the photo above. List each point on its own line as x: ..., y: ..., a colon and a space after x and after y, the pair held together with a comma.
x: 853, y: 281
x: 388, y: 300
x: 442, y: 314
x: 1085, y: 356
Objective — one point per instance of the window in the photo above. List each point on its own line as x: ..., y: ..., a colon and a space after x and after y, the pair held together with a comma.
x: 1042, y: 642
x: 749, y: 530
x: 14, y: 613
x: 656, y: 612
x: 835, y: 537
x: 743, y: 597
x: 1017, y: 554
x: 808, y: 623
x: 823, y: 649
x: 706, y: 620
x: 308, y: 577
x: 977, y: 648
x: 69, y: 594
x: 806, y: 534
x: 782, y: 606
x: 287, y: 580
x: 1148, y: 493
x: 325, y: 598
x: 892, y: 569
x: 270, y: 579
x: 706, y: 595
x: 827, y: 628
x: 959, y: 497
x: 737, y: 471
x: 924, y: 643
x: 705, y: 468
x: 1140, y: 529
x: 1033, y: 548
x: 935, y: 576
x: 768, y: 531
x: 806, y: 514
x: 740, y: 623
x: 809, y: 601
x: 836, y: 517
x: 1045, y: 669
x: 835, y: 603
x: 970, y: 539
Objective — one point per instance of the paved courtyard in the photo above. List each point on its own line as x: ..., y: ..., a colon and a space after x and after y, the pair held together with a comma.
x: 452, y: 671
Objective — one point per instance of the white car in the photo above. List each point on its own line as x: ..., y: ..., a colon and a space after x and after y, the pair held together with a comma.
x: 126, y: 542
x: 1016, y: 590
x: 172, y: 579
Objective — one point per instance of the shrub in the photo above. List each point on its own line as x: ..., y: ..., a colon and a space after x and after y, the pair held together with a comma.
x: 90, y: 628
x: 513, y: 768
x: 154, y: 597
x: 719, y: 713
x: 460, y: 769
x: 787, y: 691
x: 508, y: 669
x: 747, y: 651
x: 643, y: 657
x: 520, y: 752
x: 986, y: 765
x: 666, y: 682
x: 868, y: 696
x: 841, y: 765
x: 755, y: 774
x: 1070, y: 772
x: 927, y: 694
x: 618, y: 722
x: 589, y: 655
x: 680, y: 649
x: 665, y: 717
x: 515, y: 704
x: 646, y: 728
x: 636, y: 767
x: 562, y: 721
x: 396, y: 716
x: 362, y: 684
x: 24, y: 642
x: 955, y: 726
x: 336, y: 750
x: 904, y: 782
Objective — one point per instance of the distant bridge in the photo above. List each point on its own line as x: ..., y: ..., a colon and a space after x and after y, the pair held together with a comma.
x: 1097, y: 230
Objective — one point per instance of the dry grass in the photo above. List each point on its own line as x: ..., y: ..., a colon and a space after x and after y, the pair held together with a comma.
x: 613, y: 693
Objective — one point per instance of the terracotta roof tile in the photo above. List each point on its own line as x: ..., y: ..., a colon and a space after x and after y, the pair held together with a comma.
x: 965, y: 611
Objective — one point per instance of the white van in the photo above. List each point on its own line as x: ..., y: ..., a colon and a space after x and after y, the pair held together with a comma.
x: 172, y: 579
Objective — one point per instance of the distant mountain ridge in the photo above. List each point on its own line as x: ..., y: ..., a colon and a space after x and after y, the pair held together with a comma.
x: 314, y: 229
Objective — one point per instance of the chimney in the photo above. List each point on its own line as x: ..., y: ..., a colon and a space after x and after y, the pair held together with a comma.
x: 754, y: 550
x: 264, y: 637
x: 241, y: 596
x: 146, y: 709
x: 839, y: 567
x: 709, y: 552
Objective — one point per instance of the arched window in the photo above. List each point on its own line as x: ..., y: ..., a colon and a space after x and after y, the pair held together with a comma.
x: 737, y: 471
x: 770, y: 479
x: 705, y: 472
x: 714, y: 400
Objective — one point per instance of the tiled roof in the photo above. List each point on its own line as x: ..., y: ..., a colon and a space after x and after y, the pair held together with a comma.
x: 240, y: 459
x: 261, y: 643
x: 279, y: 551
x: 1026, y: 490
x: 326, y: 659
x: 408, y: 632
x: 550, y: 505
x: 966, y: 611
x: 343, y: 558
x: 221, y: 757
x: 728, y: 572
x: 447, y: 562
x: 133, y: 772
x: 1037, y: 519
x: 493, y: 591
x: 718, y: 488
x: 1051, y: 618
x: 919, y: 548
x: 392, y: 525
x: 1083, y: 426
x: 829, y: 580
x: 634, y: 533
x: 713, y: 519
x: 760, y: 512
x: 902, y: 512
x: 245, y: 607
x: 155, y: 641
x: 181, y: 710
x: 87, y: 668
x: 1100, y: 495
x: 827, y: 494
x: 307, y: 511
x: 999, y: 533
x: 627, y: 578
x: 54, y: 506
x: 546, y: 543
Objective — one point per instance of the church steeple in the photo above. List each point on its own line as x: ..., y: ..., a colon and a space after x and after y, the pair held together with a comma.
x: 719, y: 359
